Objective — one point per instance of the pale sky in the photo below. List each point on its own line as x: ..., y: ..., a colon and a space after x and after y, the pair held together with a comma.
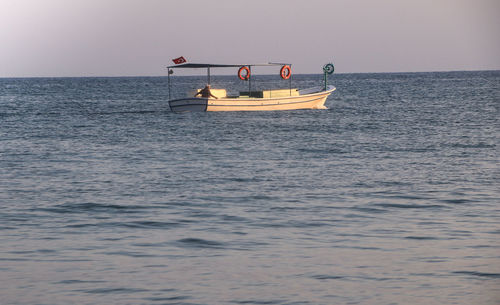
x: 141, y: 37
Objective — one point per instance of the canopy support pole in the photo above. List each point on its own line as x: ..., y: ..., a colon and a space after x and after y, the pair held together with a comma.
x: 249, y: 80
x: 168, y: 81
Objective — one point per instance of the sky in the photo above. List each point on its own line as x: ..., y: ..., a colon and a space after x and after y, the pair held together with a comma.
x: 58, y: 38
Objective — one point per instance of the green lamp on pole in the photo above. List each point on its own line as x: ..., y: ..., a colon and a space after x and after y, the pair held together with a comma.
x: 328, y: 69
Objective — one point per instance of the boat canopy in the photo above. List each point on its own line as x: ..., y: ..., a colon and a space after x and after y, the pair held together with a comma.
x: 241, y: 66
x: 199, y: 65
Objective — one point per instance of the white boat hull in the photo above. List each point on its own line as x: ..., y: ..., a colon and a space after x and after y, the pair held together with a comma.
x: 315, y: 100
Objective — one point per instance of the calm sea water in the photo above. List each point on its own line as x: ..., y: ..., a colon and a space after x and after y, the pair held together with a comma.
x: 391, y: 196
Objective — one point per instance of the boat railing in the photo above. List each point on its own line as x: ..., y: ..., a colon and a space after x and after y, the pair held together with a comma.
x: 270, y: 93
x: 310, y: 90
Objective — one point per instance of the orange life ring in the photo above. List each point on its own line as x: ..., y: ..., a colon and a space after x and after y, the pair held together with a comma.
x: 240, y: 73
x: 285, y: 72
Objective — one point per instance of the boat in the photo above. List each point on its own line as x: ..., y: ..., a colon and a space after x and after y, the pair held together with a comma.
x: 251, y: 100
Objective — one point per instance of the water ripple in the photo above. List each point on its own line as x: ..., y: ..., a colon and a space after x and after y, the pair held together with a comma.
x: 200, y: 243
x: 479, y: 274
x: 117, y: 290
x: 409, y: 206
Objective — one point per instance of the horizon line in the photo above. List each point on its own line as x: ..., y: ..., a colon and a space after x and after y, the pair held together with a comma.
x: 342, y: 73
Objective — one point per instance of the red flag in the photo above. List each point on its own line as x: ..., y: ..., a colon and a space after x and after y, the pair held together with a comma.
x: 179, y: 60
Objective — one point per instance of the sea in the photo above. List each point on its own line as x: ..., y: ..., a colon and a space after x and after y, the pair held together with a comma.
x: 390, y: 196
